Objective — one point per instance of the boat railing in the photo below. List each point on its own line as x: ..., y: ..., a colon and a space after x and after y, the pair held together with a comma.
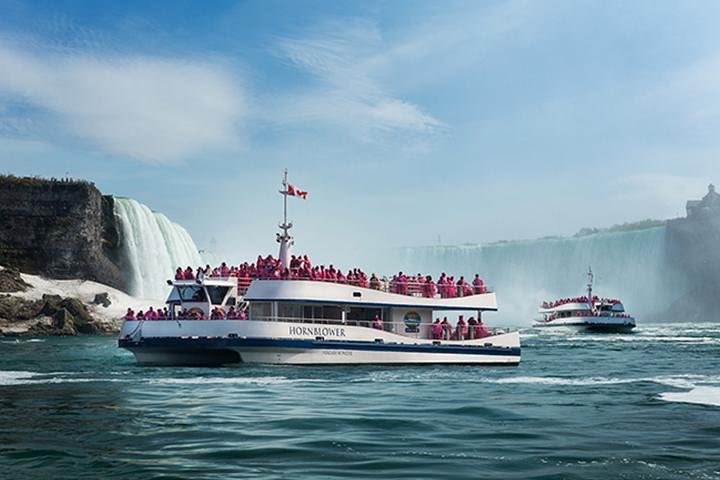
x: 411, y: 289
x: 422, y: 331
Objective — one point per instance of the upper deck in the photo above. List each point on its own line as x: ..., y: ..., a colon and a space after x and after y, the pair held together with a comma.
x: 309, y: 291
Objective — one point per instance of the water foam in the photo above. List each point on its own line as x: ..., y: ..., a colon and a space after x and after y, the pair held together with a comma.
x: 700, y: 395
x: 14, y: 377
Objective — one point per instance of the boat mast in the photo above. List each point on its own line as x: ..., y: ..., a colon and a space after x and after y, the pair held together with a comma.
x: 589, y: 288
x: 285, y: 239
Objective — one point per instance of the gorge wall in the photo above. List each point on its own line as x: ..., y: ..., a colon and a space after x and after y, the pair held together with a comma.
x: 66, y: 229
x: 61, y: 229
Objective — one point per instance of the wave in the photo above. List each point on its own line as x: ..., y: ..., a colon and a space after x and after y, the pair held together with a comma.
x: 23, y: 340
x: 219, y: 380
x: 15, y: 377
x: 679, y: 381
x: 439, y: 376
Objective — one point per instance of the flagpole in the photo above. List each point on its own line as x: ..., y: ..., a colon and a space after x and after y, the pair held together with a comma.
x: 285, y: 239
x: 285, y: 195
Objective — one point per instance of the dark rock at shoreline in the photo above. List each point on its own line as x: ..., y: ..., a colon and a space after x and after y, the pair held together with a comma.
x: 11, y: 281
x: 51, y: 315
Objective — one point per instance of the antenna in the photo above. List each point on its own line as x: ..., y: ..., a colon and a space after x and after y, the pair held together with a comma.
x: 285, y: 239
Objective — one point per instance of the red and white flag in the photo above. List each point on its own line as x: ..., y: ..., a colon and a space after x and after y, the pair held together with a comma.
x: 296, y: 192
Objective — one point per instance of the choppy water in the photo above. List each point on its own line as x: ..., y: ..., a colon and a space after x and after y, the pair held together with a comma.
x: 640, y: 406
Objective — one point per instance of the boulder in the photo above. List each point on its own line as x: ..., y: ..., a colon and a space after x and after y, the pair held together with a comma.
x: 50, y: 304
x: 11, y: 281
x: 64, y: 323
x: 102, y: 299
x: 84, y: 322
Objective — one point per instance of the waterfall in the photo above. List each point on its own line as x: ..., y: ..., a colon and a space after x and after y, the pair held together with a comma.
x: 628, y: 265
x: 153, y: 247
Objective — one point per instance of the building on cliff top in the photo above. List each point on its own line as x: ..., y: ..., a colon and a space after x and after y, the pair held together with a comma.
x: 709, y: 206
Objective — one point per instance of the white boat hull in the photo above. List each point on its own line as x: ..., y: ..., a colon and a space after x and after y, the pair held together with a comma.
x: 232, y: 341
x: 597, y: 324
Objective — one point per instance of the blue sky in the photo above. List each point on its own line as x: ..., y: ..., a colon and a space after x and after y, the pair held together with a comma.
x: 406, y: 121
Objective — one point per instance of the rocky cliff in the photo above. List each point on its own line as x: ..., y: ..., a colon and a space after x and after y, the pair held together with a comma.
x: 693, y: 254
x: 59, y: 228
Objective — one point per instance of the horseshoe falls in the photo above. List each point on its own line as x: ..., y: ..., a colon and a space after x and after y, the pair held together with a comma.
x: 152, y: 247
x: 629, y: 265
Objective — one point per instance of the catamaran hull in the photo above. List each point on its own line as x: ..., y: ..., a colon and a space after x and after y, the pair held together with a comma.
x: 312, y: 356
x: 367, y: 346
x: 598, y: 326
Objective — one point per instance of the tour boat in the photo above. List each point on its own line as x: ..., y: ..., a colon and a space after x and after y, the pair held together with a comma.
x: 306, y: 321
x: 588, y: 312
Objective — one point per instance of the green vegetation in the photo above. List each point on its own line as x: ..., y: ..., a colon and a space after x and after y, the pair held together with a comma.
x: 625, y: 227
x: 40, y: 181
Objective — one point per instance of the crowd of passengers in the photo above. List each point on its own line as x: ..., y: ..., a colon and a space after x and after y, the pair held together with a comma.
x: 553, y: 316
x: 446, y: 286
x: 584, y: 299
x: 462, y: 331
x: 301, y: 268
x: 439, y: 330
x: 216, y: 313
x: 445, y: 330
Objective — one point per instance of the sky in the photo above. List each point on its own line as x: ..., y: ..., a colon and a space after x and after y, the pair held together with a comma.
x: 408, y: 122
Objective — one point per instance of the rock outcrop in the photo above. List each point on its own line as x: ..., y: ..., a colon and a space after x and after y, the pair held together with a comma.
x: 11, y: 281
x: 59, y: 228
x: 50, y: 315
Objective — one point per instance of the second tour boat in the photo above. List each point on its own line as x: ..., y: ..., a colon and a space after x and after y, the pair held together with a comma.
x: 588, y: 312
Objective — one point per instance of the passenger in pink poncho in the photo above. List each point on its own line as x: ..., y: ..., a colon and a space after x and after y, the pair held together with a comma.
x: 480, y: 330
x: 151, y: 314
x: 224, y: 270
x: 437, y: 330
x: 478, y: 285
x: 130, y: 315
x: 446, y: 329
x: 461, y: 329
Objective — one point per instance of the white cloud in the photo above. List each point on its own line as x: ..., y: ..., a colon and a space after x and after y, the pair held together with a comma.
x: 338, y: 55
x: 153, y: 109
x: 362, y: 79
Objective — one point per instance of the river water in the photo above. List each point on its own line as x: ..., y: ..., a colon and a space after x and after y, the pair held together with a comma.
x: 587, y: 406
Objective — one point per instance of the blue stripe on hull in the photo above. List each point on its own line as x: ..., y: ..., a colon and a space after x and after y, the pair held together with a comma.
x: 175, y: 342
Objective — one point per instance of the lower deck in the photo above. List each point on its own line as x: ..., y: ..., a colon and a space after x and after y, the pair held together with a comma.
x: 193, y: 342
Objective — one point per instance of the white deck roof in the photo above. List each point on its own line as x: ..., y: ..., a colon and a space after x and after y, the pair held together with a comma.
x: 309, y: 291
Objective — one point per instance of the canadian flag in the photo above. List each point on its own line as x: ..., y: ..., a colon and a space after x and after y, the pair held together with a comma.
x: 296, y: 192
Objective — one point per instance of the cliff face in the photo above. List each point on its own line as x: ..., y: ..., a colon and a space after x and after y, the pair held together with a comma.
x: 59, y: 229
x: 693, y: 253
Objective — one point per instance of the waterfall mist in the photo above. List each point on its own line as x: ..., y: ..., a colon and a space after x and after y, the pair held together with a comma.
x: 627, y: 265
x: 153, y: 247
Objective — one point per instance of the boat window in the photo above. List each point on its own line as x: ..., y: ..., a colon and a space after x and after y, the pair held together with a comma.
x: 217, y: 294
x: 192, y: 293
x: 289, y: 310
x: 363, y: 314
x: 332, y: 312
x: 322, y: 312
x: 260, y: 310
